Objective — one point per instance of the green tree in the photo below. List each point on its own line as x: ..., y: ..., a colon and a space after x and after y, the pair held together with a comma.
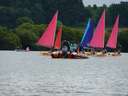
x: 7, y: 17
x: 27, y: 34
x: 123, y: 41
x: 22, y: 20
x: 8, y: 40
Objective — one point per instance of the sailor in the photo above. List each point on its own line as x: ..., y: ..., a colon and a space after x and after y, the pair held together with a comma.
x: 64, y: 51
x: 27, y: 49
x: 65, y: 48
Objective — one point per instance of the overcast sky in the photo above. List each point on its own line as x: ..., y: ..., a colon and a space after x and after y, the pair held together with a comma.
x: 101, y: 2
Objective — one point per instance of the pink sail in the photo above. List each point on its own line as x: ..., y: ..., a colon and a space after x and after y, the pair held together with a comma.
x: 112, y: 42
x: 58, y: 39
x: 47, y: 39
x: 98, y: 36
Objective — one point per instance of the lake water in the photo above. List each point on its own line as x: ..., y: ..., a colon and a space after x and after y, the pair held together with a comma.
x: 30, y: 74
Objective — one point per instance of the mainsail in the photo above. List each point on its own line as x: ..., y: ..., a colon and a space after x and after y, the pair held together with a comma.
x: 47, y: 39
x: 87, y: 34
x: 98, y: 36
x: 58, y: 39
x: 112, y: 42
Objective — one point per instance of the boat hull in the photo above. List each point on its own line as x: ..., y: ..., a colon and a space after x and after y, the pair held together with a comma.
x: 68, y: 56
x: 113, y: 54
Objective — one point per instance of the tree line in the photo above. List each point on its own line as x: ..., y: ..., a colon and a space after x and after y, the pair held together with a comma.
x: 70, y: 13
x: 22, y: 22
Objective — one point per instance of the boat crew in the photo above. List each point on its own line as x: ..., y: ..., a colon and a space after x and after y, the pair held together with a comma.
x: 65, y: 48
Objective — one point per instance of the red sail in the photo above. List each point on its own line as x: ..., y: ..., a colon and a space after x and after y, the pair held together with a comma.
x: 98, y: 36
x: 47, y: 39
x: 58, y: 39
x: 112, y: 42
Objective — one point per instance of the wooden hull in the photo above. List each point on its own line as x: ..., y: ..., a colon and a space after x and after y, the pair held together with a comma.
x: 68, y: 56
x: 45, y: 53
x: 100, y: 54
x: 113, y: 54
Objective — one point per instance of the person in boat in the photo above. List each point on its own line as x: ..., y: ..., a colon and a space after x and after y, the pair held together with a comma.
x: 63, y: 52
x: 113, y: 52
x: 56, y: 53
x: 101, y: 52
x: 27, y: 48
x: 65, y: 48
x: 116, y: 52
x: 93, y: 52
x: 104, y: 52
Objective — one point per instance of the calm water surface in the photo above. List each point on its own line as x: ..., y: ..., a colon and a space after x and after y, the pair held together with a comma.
x: 30, y: 74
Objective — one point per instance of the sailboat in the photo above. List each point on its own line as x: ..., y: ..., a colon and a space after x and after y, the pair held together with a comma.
x: 112, y: 41
x: 48, y: 40
x: 97, y: 41
x: 87, y: 36
x: 48, y: 37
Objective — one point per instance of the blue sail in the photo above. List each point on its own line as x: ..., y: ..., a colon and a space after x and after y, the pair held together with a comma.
x: 87, y: 34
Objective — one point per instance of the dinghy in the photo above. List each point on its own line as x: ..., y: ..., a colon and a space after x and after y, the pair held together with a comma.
x: 97, y: 41
x: 48, y: 40
x: 112, y: 41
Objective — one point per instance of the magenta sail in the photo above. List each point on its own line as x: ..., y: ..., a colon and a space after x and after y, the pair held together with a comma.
x: 112, y: 42
x: 47, y: 39
x: 58, y: 39
x: 98, y: 36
